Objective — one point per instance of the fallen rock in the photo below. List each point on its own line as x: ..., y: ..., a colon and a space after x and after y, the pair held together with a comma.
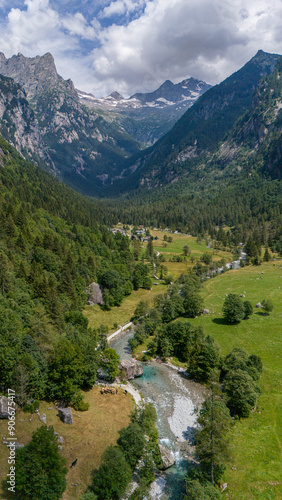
x: 130, y: 369
x: 167, y: 457
x: 258, y: 305
x: 43, y: 418
x: 60, y: 439
x: 95, y: 294
x: 206, y: 311
x: 65, y: 415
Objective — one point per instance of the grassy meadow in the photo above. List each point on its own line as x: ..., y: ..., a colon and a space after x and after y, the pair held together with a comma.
x: 255, y: 472
x: 120, y: 315
x: 86, y: 439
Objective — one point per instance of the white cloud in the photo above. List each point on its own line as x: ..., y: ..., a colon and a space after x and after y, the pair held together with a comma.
x: 77, y: 25
x: 120, y: 7
x: 157, y: 40
x: 175, y: 39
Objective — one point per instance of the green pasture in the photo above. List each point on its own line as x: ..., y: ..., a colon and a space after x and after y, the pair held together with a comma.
x: 255, y: 471
x: 179, y: 240
x: 122, y: 314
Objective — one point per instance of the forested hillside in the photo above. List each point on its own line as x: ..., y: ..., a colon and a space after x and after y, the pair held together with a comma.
x: 52, y: 247
x: 238, y: 185
x: 189, y: 147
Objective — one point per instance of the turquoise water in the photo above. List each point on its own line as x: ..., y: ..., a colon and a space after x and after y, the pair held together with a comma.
x: 175, y: 399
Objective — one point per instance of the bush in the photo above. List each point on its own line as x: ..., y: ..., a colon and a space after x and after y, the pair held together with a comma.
x: 78, y: 404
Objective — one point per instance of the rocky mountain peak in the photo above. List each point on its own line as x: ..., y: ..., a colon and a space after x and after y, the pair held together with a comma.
x: 35, y: 74
x: 117, y: 96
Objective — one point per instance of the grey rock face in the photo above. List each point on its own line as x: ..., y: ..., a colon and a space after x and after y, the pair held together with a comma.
x: 130, y: 369
x: 66, y: 415
x: 60, y: 439
x: 95, y: 295
x: 167, y: 457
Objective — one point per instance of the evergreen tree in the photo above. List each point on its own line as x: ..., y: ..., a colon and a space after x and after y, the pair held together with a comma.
x: 40, y: 468
x: 212, y: 445
x: 233, y: 309
x: 113, y: 475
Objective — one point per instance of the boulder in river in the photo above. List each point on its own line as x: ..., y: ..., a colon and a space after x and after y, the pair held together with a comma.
x: 167, y: 457
x: 130, y: 369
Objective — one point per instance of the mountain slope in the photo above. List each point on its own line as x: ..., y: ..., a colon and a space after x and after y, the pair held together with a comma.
x: 76, y: 143
x: 149, y: 116
x: 201, y: 130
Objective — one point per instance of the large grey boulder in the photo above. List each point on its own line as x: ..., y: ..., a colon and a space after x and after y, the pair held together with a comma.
x: 43, y: 418
x: 95, y: 294
x: 130, y: 369
x: 65, y: 415
x: 167, y: 457
x: 4, y: 407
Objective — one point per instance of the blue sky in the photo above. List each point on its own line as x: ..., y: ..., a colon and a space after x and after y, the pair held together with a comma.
x: 135, y: 45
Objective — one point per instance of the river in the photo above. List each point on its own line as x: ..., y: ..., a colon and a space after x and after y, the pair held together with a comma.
x: 175, y: 399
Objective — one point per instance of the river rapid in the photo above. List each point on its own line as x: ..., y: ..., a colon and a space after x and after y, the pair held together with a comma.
x: 175, y: 399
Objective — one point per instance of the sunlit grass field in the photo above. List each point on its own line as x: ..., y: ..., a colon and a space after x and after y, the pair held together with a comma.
x: 256, y: 468
x: 86, y: 439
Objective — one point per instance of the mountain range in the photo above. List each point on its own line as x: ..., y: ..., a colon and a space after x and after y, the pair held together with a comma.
x: 206, y: 136
x: 148, y: 116
x: 98, y: 145
x: 82, y: 140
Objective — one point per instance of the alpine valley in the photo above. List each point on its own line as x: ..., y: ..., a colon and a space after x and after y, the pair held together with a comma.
x: 154, y: 220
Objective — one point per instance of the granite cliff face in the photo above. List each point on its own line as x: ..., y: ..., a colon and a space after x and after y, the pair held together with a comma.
x: 45, y: 120
x: 18, y: 123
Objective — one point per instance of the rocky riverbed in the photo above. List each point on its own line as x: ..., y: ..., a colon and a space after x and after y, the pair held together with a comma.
x: 175, y: 399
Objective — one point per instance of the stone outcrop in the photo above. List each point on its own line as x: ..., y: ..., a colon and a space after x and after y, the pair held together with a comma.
x: 4, y: 407
x: 167, y: 457
x: 258, y: 305
x: 95, y: 294
x: 65, y: 415
x: 130, y: 369
x: 43, y: 418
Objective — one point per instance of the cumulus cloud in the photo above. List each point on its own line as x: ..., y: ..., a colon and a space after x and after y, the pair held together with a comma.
x: 175, y: 38
x: 121, y: 7
x: 134, y: 45
x: 77, y: 25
